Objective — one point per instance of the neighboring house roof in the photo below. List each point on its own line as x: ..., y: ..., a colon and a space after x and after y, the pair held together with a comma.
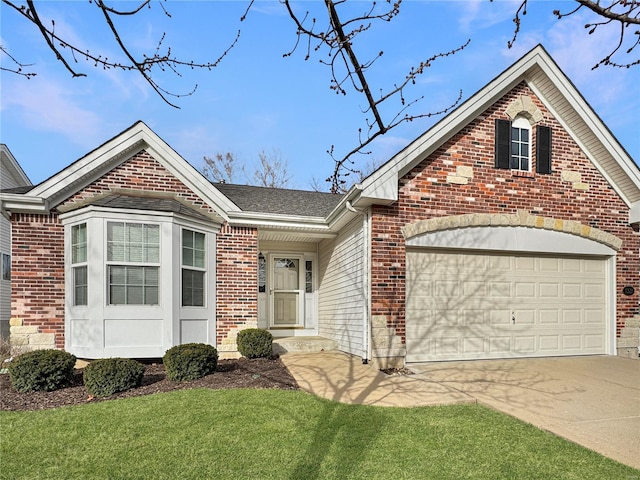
x: 9, y: 164
x: 280, y: 201
x: 561, y: 98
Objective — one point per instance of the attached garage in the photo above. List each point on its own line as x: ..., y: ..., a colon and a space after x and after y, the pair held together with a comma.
x: 478, y: 303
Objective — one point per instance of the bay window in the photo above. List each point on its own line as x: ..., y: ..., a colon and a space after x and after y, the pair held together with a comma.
x: 193, y: 268
x: 133, y: 258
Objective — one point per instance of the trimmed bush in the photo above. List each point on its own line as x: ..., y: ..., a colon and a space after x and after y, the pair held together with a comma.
x: 107, y: 376
x: 190, y: 361
x: 255, y: 343
x: 42, y: 370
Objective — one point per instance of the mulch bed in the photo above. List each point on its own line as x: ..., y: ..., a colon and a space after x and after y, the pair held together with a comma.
x: 241, y: 373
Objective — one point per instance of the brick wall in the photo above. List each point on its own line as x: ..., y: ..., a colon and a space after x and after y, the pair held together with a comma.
x: 237, y: 283
x: 141, y: 172
x: 460, y: 178
x: 37, y: 281
x: 38, y: 257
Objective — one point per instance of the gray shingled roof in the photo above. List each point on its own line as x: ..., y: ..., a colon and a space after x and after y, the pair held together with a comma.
x: 279, y: 201
x: 147, y: 203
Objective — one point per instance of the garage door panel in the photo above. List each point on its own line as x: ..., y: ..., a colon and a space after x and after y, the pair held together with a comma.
x: 559, y: 305
x: 571, y: 317
x: 525, y: 289
x: 499, y: 289
x: 549, y: 290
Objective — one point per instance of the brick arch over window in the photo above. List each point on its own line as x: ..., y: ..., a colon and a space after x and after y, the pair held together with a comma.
x: 520, y: 219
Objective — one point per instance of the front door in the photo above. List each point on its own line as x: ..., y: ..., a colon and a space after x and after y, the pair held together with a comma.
x: 287, y: 294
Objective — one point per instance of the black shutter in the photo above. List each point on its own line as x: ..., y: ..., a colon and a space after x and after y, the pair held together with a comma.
x: 503, y: 143
x: 543, y: 149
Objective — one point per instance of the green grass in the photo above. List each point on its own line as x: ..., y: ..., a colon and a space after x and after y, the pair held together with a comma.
x: 256, y: 434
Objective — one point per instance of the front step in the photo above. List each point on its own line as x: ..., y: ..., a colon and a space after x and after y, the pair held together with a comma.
x: 303, y: 344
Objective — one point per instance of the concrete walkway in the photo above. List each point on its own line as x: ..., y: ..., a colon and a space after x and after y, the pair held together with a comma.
x: 593, y: 401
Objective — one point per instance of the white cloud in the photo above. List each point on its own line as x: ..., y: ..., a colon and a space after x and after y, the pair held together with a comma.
x: 481, y: 14
x: 49, y: 106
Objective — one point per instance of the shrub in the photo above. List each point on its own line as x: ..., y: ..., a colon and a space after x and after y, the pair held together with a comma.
x: 190, y: 361
x: 255, y: 343
x: 107, y: 376
x: 41, y: 370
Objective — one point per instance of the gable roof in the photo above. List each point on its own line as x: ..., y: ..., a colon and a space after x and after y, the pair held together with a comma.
x: 563, y: 100
x: 107, y: 156
x: 241, y: 205
x: 280, y: 201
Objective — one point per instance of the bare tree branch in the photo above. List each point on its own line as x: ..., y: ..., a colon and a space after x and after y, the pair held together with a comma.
x: 348, y: 71
x: 145, y: 66
x: 624, y: 13
x: 18, y: 65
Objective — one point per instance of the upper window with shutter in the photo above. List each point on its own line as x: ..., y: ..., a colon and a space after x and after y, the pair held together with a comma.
x: 514, y: 146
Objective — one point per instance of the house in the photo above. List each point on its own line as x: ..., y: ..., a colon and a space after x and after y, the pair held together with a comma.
x: 11, y: 177
x: 509, y: 229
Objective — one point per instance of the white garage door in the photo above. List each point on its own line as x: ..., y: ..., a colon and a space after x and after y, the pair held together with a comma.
x: 473, y: 306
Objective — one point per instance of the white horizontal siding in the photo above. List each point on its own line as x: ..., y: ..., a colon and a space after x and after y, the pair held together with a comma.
x: 341, y: 297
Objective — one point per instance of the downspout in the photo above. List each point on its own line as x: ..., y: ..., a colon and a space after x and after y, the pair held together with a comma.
x: 366, y: 283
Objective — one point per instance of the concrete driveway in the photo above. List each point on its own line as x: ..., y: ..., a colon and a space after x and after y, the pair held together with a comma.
x: 593, y: 401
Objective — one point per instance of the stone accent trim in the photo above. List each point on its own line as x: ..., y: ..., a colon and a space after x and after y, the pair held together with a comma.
x: 25, y: 338
x: 387, y: 349
x: 575, y: 178
x: 524, y: 105
x: 628, y: 344
x: 522, y: 218
x: 462, y: 175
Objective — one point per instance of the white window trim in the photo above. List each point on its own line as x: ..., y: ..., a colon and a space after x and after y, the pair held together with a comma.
x: 117, y: 263
x: 522, y: 123
x: 194, y: 268
x: 89, y: 329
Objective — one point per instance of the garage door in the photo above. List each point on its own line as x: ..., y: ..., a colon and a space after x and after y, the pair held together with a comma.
x: 473, y: 306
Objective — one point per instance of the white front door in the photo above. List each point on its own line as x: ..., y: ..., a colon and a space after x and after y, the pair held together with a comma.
x: 287, y: 292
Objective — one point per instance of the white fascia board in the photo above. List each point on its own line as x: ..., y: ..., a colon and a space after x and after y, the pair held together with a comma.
x: 590, y: 118
x: 188, y: 174
x: 383, y: 184
x: 95, y: 164
x: 13, y: 202
x: 120, y: 148
x: 251, y: 219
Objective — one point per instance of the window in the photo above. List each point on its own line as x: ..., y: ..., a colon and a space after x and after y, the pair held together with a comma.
x: 308, y: 278
x: 6, y: 266
x: 133, y: 257
x: 262, y: 273
x: 514, y: 146
x: 520, y: 140
x: 193, y: 268
x: 79, y: 263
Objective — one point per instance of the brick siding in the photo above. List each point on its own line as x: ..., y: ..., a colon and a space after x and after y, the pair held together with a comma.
x: 237, y: 281
x: 38, y: 284
x: 37, y: 273
x: 425, y: 192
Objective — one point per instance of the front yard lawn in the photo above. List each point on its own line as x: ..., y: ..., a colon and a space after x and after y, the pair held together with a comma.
x: 277, y: 434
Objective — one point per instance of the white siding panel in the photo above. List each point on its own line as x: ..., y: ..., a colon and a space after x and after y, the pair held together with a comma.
x: 341, y: 294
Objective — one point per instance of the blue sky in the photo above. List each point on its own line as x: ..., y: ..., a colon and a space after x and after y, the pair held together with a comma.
x: 257, y: 100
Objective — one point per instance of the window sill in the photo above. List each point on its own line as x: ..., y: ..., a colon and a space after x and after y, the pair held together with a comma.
x: 522, y: 173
